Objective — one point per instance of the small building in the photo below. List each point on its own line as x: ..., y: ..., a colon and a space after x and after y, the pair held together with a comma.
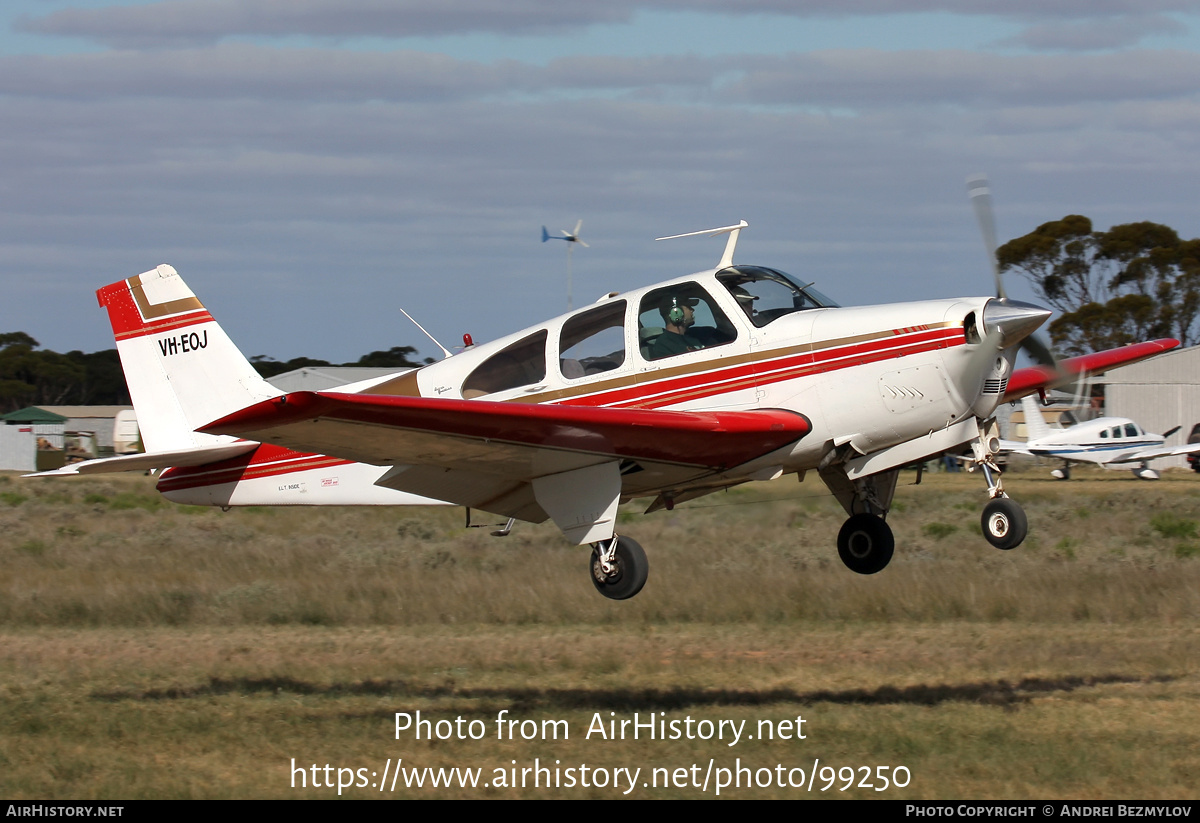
x: 99, y: 420
x: 325, y: 378
x: 41, y: 438
x: 32, y: 439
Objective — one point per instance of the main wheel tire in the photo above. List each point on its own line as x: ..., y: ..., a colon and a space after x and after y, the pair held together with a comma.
x: 630, y: 575
x: 865, y: 543
x: 1004, y: 523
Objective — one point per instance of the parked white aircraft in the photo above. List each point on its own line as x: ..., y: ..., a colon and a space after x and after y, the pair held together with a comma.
x: 668, y: 392
x: 1111, y: 442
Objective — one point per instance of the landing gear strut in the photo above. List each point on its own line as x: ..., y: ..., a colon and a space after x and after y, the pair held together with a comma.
x: 1003, y: 522
x: 619, y: 567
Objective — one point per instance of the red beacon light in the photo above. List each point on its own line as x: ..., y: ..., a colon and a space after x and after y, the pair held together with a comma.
x: 467, y: 341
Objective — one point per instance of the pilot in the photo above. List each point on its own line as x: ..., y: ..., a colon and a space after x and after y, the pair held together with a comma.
x: 678, y: 316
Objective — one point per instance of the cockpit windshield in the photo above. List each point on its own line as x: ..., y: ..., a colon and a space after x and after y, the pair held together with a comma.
x: 766, y: 295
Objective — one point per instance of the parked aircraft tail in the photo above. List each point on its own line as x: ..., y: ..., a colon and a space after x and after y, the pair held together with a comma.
x: 1035, y: 425
x: 182, y: 369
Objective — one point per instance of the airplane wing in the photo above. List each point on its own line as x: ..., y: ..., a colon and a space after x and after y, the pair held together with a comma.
x: 1140, y: 455
x: 486, y: 454
x: 1099, y: 456
x: 1034, y: 378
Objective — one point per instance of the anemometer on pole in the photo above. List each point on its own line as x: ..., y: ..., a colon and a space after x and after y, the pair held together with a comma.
x: 571, y: 237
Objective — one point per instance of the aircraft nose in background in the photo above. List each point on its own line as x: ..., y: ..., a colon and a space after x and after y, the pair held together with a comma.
x: 1013, y: 320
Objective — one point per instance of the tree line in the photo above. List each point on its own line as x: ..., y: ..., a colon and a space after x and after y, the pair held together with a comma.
x: 33, y: 376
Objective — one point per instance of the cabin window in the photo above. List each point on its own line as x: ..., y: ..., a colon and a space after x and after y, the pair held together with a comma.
x: 593, y: 341
x: 679, y: 319
x: 1116, y: 431
x: 521, y: 364
x: 1131, y: 430
x: 766, y: 295
x: 1104, y: 434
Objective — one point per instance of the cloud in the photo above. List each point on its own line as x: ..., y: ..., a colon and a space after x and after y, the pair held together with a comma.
x: 193, y: 22
x: 851, y: 80
x: 1096, y: 34
x: 242, y: 70
x: 354, y: 181
x: 176, y: 23
x: 864, y: 78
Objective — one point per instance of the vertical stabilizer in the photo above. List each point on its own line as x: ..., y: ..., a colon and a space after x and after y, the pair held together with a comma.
x: 1035, y: 425
x: 182, y: 370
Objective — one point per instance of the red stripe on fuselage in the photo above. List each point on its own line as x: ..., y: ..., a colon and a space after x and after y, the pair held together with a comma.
x: 670, y: 391
x: 265, y: 461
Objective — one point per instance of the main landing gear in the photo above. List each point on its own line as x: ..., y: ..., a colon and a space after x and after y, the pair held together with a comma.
x: 619, y: 567
x: 865, y: 543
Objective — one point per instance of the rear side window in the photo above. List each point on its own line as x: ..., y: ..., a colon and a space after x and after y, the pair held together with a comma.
x: 593, y: 341
x: 521, y: 364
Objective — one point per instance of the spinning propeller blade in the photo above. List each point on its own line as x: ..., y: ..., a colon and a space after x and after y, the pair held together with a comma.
x: 981, y: 198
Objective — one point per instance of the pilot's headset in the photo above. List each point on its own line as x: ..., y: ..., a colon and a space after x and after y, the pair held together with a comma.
x: 676, y: 314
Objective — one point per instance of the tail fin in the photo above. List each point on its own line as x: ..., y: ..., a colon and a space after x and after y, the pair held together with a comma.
x: 182, y: 370
x: 1035, y: 424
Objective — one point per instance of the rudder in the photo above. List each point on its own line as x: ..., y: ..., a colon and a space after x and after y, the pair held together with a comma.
x: 181, y: 368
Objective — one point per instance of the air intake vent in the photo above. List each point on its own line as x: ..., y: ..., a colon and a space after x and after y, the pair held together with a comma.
x: 995, y: 386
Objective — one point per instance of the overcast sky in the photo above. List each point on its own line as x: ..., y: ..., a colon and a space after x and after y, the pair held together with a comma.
x: 310, y: 166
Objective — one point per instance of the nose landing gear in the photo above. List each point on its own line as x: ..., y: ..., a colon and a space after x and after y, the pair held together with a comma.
x: 1003, y: 522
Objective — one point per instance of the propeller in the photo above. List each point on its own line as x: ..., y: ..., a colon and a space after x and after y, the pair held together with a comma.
x: 981, y: 198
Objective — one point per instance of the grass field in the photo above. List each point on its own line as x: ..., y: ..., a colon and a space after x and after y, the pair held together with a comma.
x: 152, y: 650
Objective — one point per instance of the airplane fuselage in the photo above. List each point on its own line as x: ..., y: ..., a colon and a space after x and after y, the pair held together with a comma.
x: 867, y: 378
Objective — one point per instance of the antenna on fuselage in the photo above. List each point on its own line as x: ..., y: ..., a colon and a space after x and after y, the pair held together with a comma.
x: 730, y: 245
x: 445, y: 350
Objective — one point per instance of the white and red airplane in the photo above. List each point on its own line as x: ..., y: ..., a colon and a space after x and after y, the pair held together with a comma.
x: 668, y: 392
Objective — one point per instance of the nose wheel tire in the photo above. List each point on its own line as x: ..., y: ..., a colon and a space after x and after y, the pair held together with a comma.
x: 1004, y: 523
x: 865, y: 543
x: 627, y: 570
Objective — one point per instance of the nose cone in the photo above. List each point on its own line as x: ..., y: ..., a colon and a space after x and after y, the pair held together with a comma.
x: 1012, y: 320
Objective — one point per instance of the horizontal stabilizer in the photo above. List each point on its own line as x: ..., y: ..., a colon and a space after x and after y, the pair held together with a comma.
x: 200, y: 456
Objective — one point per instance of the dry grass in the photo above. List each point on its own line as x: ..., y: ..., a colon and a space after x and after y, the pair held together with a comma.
x: 149, y: 650
x: 110, y: 553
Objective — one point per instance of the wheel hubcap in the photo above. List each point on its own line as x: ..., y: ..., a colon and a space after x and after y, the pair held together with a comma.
x: 998, y: 525
x: 860, y: 544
